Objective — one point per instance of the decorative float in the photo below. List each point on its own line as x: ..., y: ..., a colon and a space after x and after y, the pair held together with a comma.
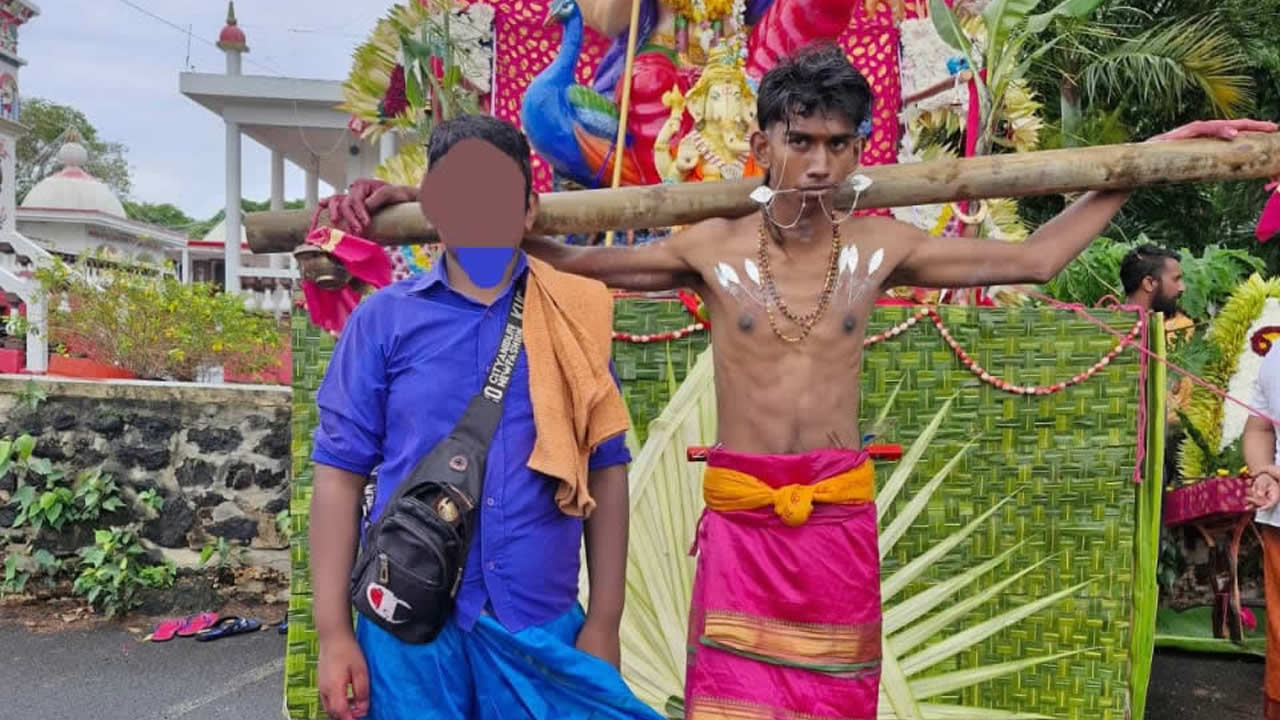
x: 1018, y: 530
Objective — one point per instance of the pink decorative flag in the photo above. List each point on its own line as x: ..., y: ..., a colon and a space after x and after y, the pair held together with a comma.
x: 1269, y: 223
x: 367, y: 262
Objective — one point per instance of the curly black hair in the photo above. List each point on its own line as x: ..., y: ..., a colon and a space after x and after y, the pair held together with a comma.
x: 817, y: 78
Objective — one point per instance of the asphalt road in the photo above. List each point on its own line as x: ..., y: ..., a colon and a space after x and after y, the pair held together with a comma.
x: 107, y: 674
x: 1199, y: 686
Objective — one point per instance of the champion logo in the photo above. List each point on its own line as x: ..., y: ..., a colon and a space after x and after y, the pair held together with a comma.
x: 385, y: 603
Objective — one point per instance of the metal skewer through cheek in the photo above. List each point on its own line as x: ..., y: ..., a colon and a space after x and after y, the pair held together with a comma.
x: 767, y: 206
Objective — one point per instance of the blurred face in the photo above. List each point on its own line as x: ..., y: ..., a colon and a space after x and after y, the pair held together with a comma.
x: 475, y: 197
x: 813, y: 155
x: 1168, y: 287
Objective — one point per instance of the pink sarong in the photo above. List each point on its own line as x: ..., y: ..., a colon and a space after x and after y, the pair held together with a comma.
x: 785, y: 619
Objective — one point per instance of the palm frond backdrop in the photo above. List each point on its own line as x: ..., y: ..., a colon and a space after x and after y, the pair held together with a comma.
x: 1008, y: 530
x: 1018, y: 554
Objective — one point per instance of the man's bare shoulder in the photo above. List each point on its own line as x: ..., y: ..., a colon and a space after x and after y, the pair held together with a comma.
x: 709, y: 239
x: 880, y: 227
x: 709, y: 228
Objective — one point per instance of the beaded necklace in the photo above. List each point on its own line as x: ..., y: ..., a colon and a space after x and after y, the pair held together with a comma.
x: 809, y: 319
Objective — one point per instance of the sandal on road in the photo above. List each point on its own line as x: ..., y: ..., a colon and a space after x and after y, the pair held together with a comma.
x: 227, y: 626
x: 166, y: 630
x: 195, y: 623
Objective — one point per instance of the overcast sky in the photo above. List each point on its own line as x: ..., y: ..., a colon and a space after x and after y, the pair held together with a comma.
x: 120, y: 67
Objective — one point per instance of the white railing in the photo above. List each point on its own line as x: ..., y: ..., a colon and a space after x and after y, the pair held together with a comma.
x: 269, y: 289
x: 16, y: 277
x: 10, y: 263
x: 275, y: 300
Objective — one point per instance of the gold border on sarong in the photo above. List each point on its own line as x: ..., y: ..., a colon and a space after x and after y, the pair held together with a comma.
x: 832, y: 648
x: 724, y: 709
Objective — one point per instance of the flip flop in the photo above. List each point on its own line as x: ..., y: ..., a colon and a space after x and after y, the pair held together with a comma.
x: 195, y: 623
x: 284, y: 628
x: 165, y: 630
x: 227, y: 626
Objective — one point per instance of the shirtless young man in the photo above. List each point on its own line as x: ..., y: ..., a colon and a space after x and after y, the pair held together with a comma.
x: 785, y: 615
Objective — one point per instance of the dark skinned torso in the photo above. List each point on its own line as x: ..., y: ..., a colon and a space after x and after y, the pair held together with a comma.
x: 775, y: 396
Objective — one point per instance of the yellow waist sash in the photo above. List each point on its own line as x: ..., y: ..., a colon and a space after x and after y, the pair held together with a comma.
x: 726, y: 490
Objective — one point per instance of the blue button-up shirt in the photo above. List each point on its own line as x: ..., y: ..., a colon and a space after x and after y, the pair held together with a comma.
x: 409, y: 359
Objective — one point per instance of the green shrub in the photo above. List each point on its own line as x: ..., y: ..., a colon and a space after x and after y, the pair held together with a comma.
x: 154, y: 325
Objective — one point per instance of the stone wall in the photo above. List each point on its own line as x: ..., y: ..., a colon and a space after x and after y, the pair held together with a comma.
x: 218, y: 455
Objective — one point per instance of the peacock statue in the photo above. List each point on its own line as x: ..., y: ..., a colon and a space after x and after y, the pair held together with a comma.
x: 573, y: 127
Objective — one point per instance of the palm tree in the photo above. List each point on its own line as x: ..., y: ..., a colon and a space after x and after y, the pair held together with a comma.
x: 1111, y: 59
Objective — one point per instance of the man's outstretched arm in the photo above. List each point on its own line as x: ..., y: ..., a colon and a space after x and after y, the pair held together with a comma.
x: 971, y: 262
x: 967, y: 262
x: 661, y: 265
x: 666, y: 264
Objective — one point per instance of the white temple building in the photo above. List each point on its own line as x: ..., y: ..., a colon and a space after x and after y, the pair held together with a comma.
x: 297, y: 120
x: 71, y: 213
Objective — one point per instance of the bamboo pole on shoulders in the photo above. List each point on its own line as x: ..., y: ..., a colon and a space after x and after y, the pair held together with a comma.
x: 1046, y: 172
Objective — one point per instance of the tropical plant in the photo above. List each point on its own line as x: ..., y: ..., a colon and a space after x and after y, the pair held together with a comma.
x: 16, y: 324
x: 1224, y: 461
x: 19, y: 568
x: 153, y: 324
x: 228, y: 555
x: 1127, y: 56
x: 998, y: 46
x: 1188, y: 216
x: 1001, y: 46
x: 426, y: 61
x: 41, y: 495
x: 1229, y: 367
x: 666, y: 503
x: 911, y: 623
x: 114, y: 569
x: 44, y: 496
x: 151, y: 500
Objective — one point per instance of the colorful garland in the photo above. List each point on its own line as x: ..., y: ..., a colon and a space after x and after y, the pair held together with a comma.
x: 1002, y: 384
x: 660, y: 337
x: 894, y: 331
x: 967, y: 361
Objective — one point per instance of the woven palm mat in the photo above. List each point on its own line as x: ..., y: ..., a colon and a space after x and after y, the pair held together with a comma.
x: 1068, y: 458
x: 312, y: 348
x: 643, y: 367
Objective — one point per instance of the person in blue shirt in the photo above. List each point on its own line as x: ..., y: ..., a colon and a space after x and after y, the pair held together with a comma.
x: 518, y: 644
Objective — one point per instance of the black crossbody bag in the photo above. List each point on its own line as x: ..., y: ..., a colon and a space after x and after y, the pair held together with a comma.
x: 407, y: 574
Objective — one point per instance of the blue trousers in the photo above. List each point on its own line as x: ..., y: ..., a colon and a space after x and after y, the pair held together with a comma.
x: 490, y: 673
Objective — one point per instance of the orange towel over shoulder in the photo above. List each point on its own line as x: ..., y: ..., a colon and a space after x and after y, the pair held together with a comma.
x: 568, y: 335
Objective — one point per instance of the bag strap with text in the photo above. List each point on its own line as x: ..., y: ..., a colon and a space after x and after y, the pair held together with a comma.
x: 480, y: 421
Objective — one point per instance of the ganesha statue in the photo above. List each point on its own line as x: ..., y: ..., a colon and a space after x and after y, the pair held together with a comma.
x: 691, y: 98
x: 722, y: 106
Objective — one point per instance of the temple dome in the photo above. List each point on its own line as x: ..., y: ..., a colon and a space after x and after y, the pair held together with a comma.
x: 72, y: 188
